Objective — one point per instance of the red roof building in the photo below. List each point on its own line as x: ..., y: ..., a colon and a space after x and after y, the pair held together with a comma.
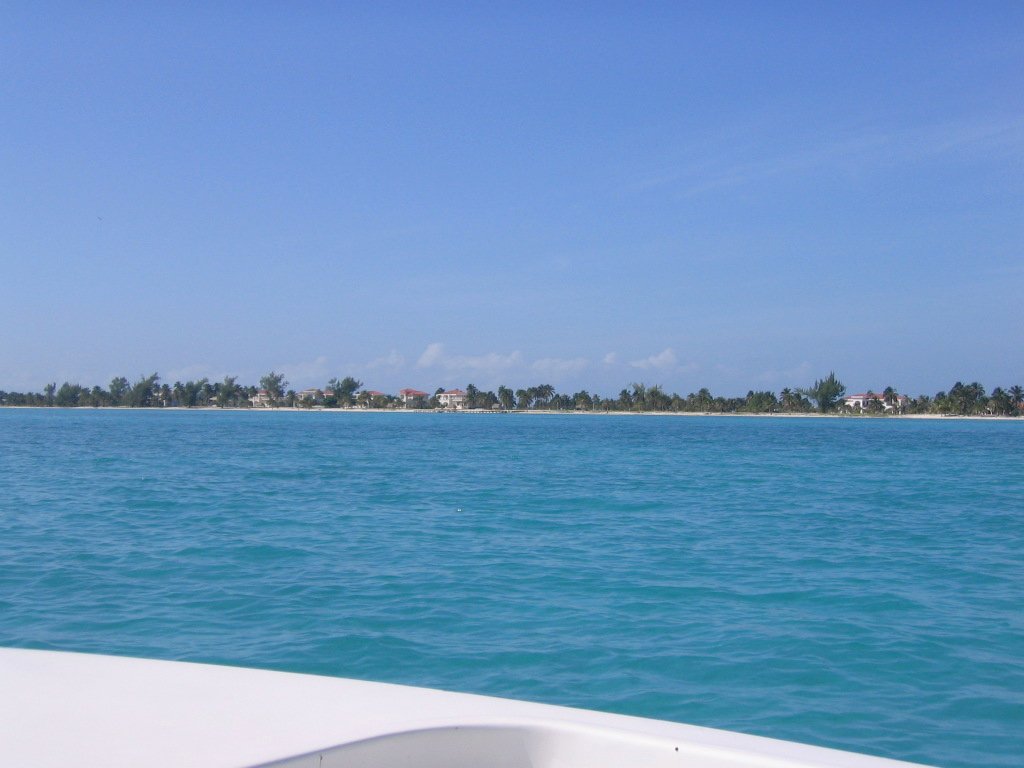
x: 412, y: 396
x: 452, y: 398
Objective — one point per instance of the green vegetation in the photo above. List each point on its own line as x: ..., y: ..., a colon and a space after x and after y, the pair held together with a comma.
x: 274, y: 385
x: 341, y: 394
x: 826, y: 393
x: 824, y: 396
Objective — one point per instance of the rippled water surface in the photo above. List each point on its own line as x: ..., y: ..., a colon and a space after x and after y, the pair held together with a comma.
x: 852, y: 583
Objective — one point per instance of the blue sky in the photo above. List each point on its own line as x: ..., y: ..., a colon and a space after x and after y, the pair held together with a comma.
x: 732, y: 196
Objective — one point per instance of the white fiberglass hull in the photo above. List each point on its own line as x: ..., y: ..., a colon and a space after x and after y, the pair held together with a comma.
x: 68, y: 709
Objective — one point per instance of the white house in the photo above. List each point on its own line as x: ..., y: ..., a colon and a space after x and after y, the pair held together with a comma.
x: 262, y: 399
x: 314, y: 395
x: 860, y: 402
x: 412, y: 397
x: 452, y: 398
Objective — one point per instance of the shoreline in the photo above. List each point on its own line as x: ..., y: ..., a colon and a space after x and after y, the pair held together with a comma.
x: 481, y: 412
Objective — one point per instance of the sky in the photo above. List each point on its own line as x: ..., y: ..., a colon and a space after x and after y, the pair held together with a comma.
x: 726, y: 195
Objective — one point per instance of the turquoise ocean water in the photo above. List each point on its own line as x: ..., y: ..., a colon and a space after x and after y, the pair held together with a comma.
x: 852, y: 583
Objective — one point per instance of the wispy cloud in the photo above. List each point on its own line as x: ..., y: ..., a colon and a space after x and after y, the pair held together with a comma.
x: 431, y: 355
x: 557, y: 368
x: 857, y: 150
x: 392, y: 360
x: 661, y: 361
x: 610, y: 358
x: 797, y: 375
x: 988, y: 134
x: 489, y: 364
x: 306, y: 373
x: 193, y: 372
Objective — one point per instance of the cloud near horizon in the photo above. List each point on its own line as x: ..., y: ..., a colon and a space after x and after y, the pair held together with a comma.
x: 556, y: 368
x: 431, y: 355
x: 799, y: 373
x: 390, y: 360
x: 434, y: 356
x: 307, y: 373
x: 193, y: 372
x: 661, y: 361
x: 490, y: 366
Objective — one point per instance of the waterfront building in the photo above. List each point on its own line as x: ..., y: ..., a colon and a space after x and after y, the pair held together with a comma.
x: 412, y: 398
x: 452, y: 398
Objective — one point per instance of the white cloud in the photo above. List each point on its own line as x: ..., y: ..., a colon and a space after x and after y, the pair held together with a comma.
x: 610, y: 358
x: 556, y: 368
x: 491, y: 363
x: 790, y: 376
x: 664, y: 359
x: 431, y: 355
x: 305, y: 374
x: 390, y: 360
x: 849, y: 152
x: 190, y: 373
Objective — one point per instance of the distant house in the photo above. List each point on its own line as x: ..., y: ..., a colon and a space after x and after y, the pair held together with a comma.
x: 368, y: 397
x: 412, y: 398
x: 313, y: 395
x: 261, y: 399
x: 860, y: 402
x: 452, y: 398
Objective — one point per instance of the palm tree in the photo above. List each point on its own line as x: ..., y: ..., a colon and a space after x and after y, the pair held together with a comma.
x: 228, y: 391
x: 657, y: 400
x: 506, y: 397
x: 704, y: 398
x: 889, y: 398
x: 525, y: 397
x: 966, y: 398
x: 1001, y: 402
x: 786, y: 397
x: 582, y: 401
x: 639, y: 397
x: 1017, y: 394
x: 541, y: 394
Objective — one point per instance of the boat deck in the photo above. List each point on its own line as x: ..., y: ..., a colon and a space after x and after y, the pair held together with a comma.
x: 69, y: 709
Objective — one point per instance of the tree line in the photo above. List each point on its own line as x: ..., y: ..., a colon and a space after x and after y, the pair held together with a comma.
x: 825, y: 395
